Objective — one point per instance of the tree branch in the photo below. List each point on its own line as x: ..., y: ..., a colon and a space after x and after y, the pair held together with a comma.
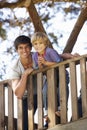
x: 76, y: 30
x: 25, y: 3
x: 20, y: 3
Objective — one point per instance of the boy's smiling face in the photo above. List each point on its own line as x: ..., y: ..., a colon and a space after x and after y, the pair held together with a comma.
x: 24, y: 50
x: 39, y: 46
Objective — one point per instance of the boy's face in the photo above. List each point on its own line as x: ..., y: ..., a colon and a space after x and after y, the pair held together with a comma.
x: 24, y: 50
x: 39, y: 46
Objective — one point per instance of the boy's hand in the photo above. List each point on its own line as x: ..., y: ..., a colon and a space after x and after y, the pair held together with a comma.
x: 69, y: 55
x: 28, y: 71
x: 41, y: 60
x: 76, y: 54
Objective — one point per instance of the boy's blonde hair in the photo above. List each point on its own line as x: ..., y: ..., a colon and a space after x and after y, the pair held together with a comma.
x: 40, y: 36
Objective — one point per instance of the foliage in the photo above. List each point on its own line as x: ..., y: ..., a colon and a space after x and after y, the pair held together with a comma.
x: 2, y: 33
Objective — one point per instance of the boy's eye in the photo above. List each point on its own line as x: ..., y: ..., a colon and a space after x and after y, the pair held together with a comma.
x: 38, y: 43
x: 41, y: 43
x: 20, y: 48
x: 35, y: 43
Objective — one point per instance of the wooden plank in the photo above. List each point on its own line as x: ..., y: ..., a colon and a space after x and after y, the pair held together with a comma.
x: 73, y: 84
x: 15, y: 122
x: 2, y: 107
x: 51, y: 98
x: 80, y: 125
x: 62, y: 86
x: 20, y: 114
x: 84, y: 86
x: 30, y: 104
x: 10, y: 109
x: 40, y: 101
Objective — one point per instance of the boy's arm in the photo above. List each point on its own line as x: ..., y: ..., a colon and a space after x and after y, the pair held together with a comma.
x: 68, y: 55
x: 19, y: 85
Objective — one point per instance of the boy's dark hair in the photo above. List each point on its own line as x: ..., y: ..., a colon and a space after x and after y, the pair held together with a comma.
x: 22, y: 40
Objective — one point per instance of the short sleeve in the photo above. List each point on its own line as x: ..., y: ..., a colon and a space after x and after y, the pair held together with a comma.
x: 12, y: 74
x: 52, y: 55
x: 14, y: 71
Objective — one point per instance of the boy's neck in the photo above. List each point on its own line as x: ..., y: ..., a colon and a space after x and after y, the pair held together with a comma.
x: 27, y: 60
x: 41, y: 53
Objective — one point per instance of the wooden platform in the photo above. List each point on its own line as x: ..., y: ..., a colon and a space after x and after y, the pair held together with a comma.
x: 76, y: 125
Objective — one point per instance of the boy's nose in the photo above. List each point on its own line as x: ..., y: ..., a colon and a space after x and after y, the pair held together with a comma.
x: 24, y: 49
x: 38, y: 45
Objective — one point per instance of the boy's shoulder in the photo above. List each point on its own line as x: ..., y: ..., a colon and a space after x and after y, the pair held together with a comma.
x: 50, y: 50
x: 14, y: 65
x: 47, y: 50
x: 12, y: 69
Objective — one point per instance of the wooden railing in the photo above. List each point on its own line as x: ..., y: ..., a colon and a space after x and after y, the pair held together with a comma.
x: 76, y: 68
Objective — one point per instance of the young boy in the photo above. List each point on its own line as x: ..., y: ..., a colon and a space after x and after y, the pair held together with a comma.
x: 46, y: 56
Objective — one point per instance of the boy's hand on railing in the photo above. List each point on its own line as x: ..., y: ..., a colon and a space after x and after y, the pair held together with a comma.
x: 76, y: 54
x: 28, y: 71
x: 69, y: 55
